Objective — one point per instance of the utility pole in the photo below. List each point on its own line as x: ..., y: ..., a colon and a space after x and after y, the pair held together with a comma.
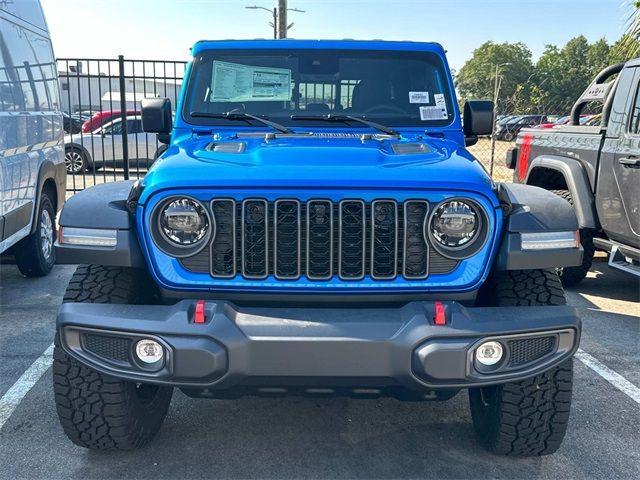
x: 279, y: 24
x: 496, y: 95
x: 282, y: 19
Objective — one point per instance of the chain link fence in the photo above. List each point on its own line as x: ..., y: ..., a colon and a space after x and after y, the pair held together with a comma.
x: 104, y: 139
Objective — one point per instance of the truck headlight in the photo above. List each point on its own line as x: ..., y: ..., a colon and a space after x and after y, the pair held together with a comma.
x: 181, y: 226
x: 457, y: 228
x: 184, y: 221
x: 454, y: 223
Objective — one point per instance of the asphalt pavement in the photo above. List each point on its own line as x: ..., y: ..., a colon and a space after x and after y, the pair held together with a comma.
x: 327, y: 438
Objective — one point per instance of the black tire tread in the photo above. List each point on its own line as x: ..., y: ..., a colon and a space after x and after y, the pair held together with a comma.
x: 532, y: 415
x: 527, y: 288
x: 98, y: 411
x: 27, y: 252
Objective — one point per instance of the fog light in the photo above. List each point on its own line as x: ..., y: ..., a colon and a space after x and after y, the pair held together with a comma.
x: 489, y: 353
x: 149, y: 351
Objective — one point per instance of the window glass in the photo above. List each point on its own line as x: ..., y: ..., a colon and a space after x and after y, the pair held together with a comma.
x: 390, y: 87
x: 634, y: 127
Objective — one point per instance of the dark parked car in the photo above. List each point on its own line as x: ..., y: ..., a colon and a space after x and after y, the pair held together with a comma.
x: 509, y: 131
x: 71, y: 123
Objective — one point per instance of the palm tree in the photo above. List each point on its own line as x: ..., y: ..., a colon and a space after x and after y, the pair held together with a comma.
x: 629, y: 45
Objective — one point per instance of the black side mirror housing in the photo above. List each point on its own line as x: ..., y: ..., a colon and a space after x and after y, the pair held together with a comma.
x: 478, y: 118
x: 156, y: 115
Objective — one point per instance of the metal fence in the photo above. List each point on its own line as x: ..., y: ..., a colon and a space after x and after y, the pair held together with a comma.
x: 112, y: 146
x: 101, y: 104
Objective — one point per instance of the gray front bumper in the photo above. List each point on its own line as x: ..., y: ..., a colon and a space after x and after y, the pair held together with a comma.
x: 364, y: 347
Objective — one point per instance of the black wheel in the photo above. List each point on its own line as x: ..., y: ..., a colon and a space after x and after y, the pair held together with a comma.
x: 35, y: 255
x: 529, y: 417
x: 508, y: 136
x: 573, y: 275
x: 98, y: 411
x: 75, y: 161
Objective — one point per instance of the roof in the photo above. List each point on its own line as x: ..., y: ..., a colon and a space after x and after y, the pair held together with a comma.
x: 346, y: 44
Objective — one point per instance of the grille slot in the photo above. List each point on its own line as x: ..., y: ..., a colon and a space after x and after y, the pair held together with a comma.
x: 107, y: 346
x: 416, y: 251
x: 319, y: 239
x: 384, y: 239
x: 351, y: 243
x: 255, y: 244
x: 223, y: 252
x: 526, y: 350
x: 287, y: 239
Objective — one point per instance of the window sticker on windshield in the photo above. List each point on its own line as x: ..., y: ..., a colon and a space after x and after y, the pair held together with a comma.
x: 233, y: 82
x: 418, y: 97
x: 433, y: 112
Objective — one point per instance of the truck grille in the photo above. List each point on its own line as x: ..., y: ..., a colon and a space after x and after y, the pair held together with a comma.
x: 319, y: 239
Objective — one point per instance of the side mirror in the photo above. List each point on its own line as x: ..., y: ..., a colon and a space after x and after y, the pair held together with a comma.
x: 156, y: 115
x: 478, y: 118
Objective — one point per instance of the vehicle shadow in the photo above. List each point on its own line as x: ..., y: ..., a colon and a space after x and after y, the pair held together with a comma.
x: 603, y: 281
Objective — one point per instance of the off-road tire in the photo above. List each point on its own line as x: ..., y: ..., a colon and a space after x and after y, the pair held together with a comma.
x: 529, y: 417
x: 35, y: 255
x: 526, y: 418
x: 573, y: 275
x: 98, y: 411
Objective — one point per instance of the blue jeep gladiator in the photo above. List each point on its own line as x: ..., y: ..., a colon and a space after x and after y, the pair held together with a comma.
x: 316, y: 227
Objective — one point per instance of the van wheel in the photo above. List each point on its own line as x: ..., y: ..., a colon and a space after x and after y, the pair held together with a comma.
x: 573, y: 275
x: 35, y: 255
x: 529, y: 417
x: 98, y: 411
x: 75, y: 161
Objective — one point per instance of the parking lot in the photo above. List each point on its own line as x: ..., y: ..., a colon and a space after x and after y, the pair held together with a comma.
x: 322, y: 438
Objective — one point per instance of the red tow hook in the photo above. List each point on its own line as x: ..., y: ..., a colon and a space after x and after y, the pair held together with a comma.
x: 199, y: 316
x: 440, y: 317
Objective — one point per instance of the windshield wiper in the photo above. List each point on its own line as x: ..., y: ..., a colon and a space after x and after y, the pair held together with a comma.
x: 346, y: 119
x: 243, y: 116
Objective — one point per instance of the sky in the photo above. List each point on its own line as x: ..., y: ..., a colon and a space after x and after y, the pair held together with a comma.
x: 166, y: 29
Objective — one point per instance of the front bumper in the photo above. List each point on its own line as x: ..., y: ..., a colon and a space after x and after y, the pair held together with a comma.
x: 309, y: 348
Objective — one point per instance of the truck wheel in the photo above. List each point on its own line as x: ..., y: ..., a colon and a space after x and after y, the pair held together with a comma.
x: 529, y: 417
x: 35, y: 254
x: 98, y: 411
x: 573, y: 275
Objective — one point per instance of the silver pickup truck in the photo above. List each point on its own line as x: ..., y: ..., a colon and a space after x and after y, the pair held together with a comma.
x: 595, y: 168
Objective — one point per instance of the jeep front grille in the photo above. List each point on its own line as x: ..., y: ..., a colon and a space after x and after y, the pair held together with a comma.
x: 319, y: 239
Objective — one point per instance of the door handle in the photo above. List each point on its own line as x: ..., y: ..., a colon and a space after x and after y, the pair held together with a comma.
x: 629, y: 161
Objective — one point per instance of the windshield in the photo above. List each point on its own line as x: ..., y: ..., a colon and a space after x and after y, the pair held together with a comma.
x: 392, y: 88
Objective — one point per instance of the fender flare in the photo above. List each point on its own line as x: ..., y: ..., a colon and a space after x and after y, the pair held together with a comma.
x: 577, y: 182
x: 103, y: 206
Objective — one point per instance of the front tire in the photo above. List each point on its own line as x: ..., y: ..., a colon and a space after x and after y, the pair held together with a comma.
x: 529, y: 417
x: 98, y: 411
x: 35, y: 255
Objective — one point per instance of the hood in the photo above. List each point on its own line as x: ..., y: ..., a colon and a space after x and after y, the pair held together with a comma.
x: 326, y: 160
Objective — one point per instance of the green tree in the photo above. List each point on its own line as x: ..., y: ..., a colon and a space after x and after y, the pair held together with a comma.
x: 476, y: 79
x: 629, y: 45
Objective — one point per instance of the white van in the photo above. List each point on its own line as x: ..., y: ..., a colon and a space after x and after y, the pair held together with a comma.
x: 32, y: 169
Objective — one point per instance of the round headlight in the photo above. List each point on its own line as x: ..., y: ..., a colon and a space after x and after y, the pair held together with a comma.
x: 454, y: 223
x: 184, y: 222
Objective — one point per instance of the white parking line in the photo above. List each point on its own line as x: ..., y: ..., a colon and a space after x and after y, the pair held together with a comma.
x: 12, y: 398
x: 614, y: 378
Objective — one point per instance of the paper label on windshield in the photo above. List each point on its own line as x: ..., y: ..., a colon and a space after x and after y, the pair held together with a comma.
x: 233, y: 82
x: 418, y: 97
x: 433, y: 113
x: 437, y: 111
